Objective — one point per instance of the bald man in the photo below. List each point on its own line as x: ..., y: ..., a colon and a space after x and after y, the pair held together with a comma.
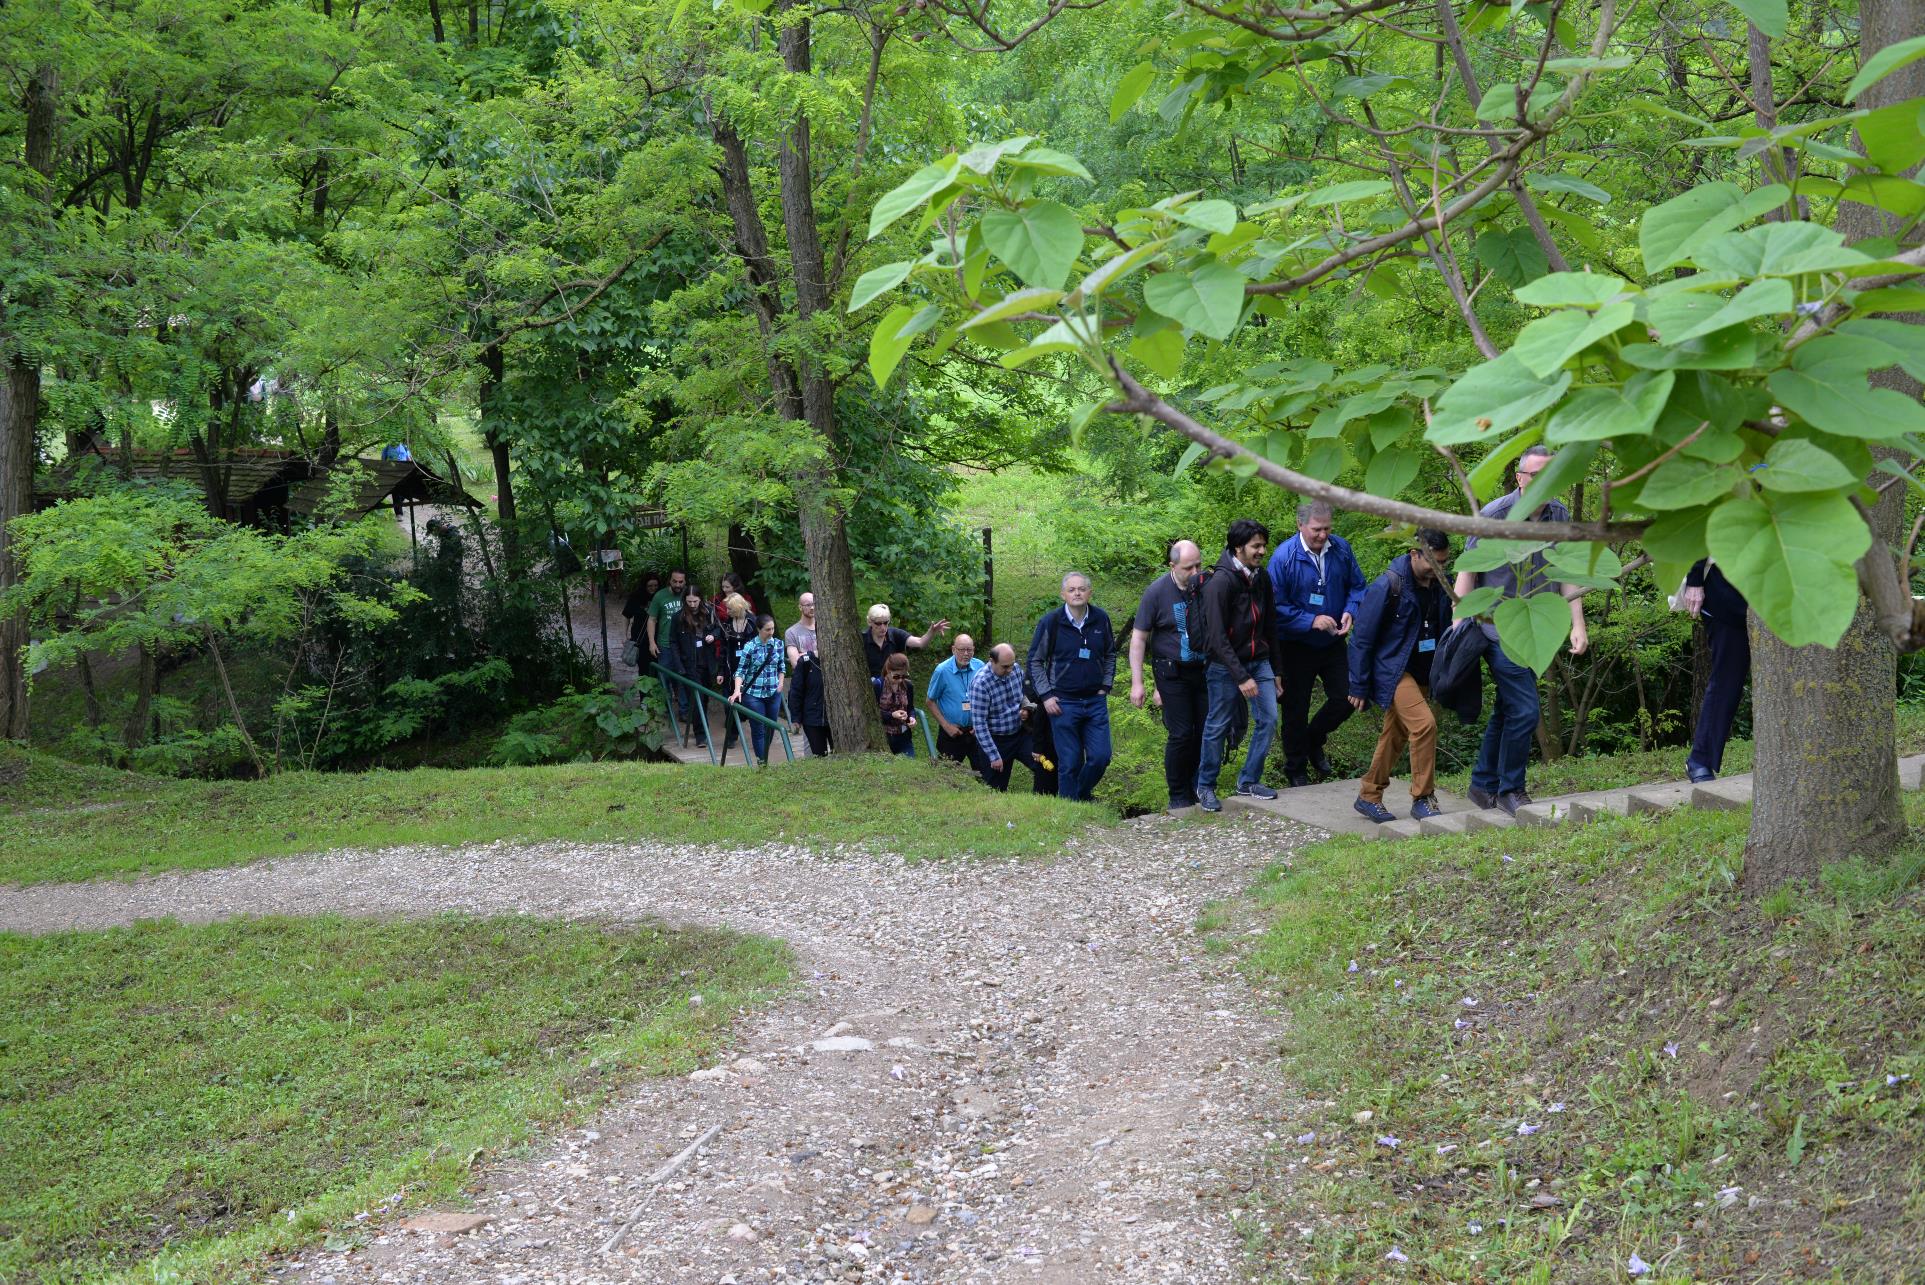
x: 947, y: 701
x: 1169, y: 629
x: 996, y: 699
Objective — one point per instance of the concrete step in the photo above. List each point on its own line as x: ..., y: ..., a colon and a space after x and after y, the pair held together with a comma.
x: 1911, y: 772
x: 1661, y: 798
x: 1551, y: 812
x: 1400, y: 829
x: 1588, y: 807
x: 1488, y: 819
x: 1730, y: 795
x: 1449, y: 823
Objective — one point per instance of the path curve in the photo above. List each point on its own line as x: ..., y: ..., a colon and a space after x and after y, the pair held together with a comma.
x: 1056, y: 1068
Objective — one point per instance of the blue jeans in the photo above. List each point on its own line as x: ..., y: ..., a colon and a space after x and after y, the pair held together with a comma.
x: 1216, y: 726
x: 1082, y: 744
x: 1506, y: 750
x: 769, y: 706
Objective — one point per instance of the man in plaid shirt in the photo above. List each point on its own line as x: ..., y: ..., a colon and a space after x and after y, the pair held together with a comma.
x: 996, y: 706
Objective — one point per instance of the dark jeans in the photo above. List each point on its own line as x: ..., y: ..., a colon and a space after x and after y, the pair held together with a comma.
x: 1186, y: 705
x: 1082, y: 733
x: 1506, y: 750
x: 1730, y: 670
x: 818, y: 734
x: 1304, y: 666
x: 760, y: 734
x: 961, y: 748
x: 903, y: 743
x: 1042, y: 742
x: 1012, y: 748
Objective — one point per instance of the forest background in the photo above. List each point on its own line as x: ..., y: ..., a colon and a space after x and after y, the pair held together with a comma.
x: 773, y: 276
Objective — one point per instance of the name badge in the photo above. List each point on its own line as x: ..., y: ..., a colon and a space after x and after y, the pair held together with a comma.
x: 1426, y: 644
x: 1316, y: 600
x: 965, y: 707
x: 1082, y: 653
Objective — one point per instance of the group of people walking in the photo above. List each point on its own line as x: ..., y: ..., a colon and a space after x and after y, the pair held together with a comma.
x: 1240, y: 648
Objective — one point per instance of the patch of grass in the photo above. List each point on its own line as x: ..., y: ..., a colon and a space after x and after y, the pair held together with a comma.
x: 875, y: 801
x: 207, y: 1094
x: 1586, y: 1045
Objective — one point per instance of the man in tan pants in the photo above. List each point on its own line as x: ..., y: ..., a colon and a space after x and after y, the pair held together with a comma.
x: 1404, y: 612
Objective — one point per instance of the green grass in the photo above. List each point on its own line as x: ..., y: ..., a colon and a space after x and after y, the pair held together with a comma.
x: 1587, y: 951
x: 209, y: 1094
x: 119, y: 824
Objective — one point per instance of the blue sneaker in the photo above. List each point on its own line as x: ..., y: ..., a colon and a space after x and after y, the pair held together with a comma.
x: 1258, y: 790
x: 1374, y: 811
x: 1425, y: 807
x: 1207, y: 800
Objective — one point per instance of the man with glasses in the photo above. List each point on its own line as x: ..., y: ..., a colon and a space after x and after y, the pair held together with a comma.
x: 1317, y: 587
x: 1497, y: 779
x: 1404, y: 614
x: 947, y: 700
x: 1169, y: 628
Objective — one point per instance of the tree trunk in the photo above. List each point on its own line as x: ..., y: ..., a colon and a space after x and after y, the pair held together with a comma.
x: 1826, y: 763
x: 20, y: 430
x: 493, y: 369
x: 139, y: 721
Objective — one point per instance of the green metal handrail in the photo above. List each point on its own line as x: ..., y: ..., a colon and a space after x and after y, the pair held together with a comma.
x: 704, y: 695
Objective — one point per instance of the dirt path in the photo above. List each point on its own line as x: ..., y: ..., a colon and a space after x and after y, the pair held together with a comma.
x: 991, y: 1072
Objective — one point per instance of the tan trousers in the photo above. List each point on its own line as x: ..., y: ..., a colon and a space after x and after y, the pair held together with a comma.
x: 1407, y: 721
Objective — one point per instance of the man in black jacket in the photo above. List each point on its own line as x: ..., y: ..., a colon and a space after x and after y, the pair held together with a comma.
x: 1072, y: 666
x: 1241, y: 626
x: 1712, y: 598
x: 1169, y: 631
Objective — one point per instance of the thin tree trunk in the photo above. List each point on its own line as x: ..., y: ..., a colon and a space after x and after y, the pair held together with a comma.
x: 493, y: 369
x: 233, y: 705
x: 1826, y: 760
x: 89, y: 691
x: 139, y: 721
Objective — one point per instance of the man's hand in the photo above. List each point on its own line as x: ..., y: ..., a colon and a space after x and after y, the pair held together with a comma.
x: 1356, y: 702
x: 1248, y: 687
x: 654, y: 649
x: 1136, y: 695
x: 1347, y: 622
x: 995, y: 765
x: 1580, y: 639
x: 940, y: 627
x: 1693, y: 599
x: 1156, y: 698
x: 950, y: 729
x: 1279, y: 683
x: 1054, y: 706
x: 1325, y: 623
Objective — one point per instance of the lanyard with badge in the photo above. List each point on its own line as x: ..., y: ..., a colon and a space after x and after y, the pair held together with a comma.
x: 1316, y: 599
x: 1427, y: 614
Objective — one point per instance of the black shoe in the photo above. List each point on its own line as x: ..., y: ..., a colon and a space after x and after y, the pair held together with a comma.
x: 1374, y: 811
x: 1321, y: 761
x: 1511, y: 800
x: 1297, y: 777
x: 1207, y: 800
x: 1481, y: 798
x: 1699, y: 775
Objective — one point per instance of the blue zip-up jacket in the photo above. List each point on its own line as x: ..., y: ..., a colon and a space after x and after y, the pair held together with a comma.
x: 1055, y: 665
x: 1384, y: 635
x: 1293, y: 582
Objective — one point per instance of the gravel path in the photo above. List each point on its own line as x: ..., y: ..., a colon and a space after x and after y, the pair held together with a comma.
x: 992, y: 1071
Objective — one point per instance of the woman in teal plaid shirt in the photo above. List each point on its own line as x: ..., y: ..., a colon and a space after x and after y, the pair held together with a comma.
x: 761, y: 676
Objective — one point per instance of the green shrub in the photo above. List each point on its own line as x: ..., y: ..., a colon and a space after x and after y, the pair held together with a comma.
x: 590, y: 726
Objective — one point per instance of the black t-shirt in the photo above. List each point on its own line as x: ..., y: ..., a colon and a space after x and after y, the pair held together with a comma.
x: 1431, y: 620
x: 1173, y: 618
x: 898, y: 641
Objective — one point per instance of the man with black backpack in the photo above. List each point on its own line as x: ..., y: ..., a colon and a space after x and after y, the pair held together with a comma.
x: 1169, y: 629
x: 1072, y: 666
x: 1403, y: 615
x: 1241, y: 627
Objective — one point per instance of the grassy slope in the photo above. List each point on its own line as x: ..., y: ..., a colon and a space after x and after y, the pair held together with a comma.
x: 66, y: 822
x: 211, y: 1093
x: 1650, y: 1065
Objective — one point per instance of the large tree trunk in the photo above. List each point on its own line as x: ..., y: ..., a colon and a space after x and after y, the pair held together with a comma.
x: 19, y: 431
x: 1826, y: 766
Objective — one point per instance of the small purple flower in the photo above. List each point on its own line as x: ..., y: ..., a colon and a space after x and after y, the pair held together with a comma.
x: 1556, y: 1108
x: 1468, y: 1002
x: 1399, y: 983
x: 1474, y: 1228
x: 1396, y: 1255
x: 1460, y: 1023
x: 1637, y: 1266
x: 1305, y: 1139
x: 1510, y: 861
x: 1387, y: 1140
x: 1891, y: 1081
x: 1525, y: 1128
x: 1445, y: 1148
x: 1671, y: 1048
x: 1352, y: 968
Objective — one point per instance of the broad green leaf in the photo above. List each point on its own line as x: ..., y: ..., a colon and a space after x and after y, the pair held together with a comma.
x: 1487, y: 479
x: 1573, y: 290
x: 1888, y: 192
x: 1513, y: 255
x: 1791, y: 556
x: 1685, y: 484
x: 1595, y: 414
x: 1208, y: 300
x: 1892, y: 136
x: 1777, y: 250
x: 1488, y: 554
x: 1130, y: 88
x: 878, y: 281
x: 1047, y: 160
x: 1039, y: 242
x: 1162, y: 351
x: 1211, y: 216
x: 1499, y: 102
x: 1759, y: 299
x: 1013, y: 303
x: 912, y: 192
x: 1191, y: 454
x: 1389, y: 425
x: 1549, y: 342
x: 1676, y: 537
x: 1569, y: 183
x: 1796, y: 464
x: 982, y: 157
x: 1114, y: 269
x: 1057, y: 338
x: 1566, y: 469
x: 1668, y: 233
x: 1362, y: 86
x: 1391, y: 471
x: 975, y: 262
x: 1325, y: 460
x: 1491, y: 400
x: 1769, y: 16
x: 1889, y: 299
x: 1733, y: 349
x: 1903, y: 343
x: 1338, y: 193
x: 1532, y: 629
x: 924, y: 320
x: 1882, y: 64
x: 887, y: 345
x: 1586, y: 558
x: 1478, y: 601
x: 1839, y: 399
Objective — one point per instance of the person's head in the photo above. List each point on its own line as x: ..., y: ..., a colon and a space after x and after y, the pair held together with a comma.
x: 1429, y: 554
x: 879, y: 617
x: 1075, y: 589
x: 765, y: 626
x: 1248, y: 540
x: 806, y: 605
x: 1185, y: 558
x: 731, y: 583
x: 692, y: 603
x: 1002, y: 658
x: 650, y: 583
x: 895, y: 670
x: 737, y: 606
x: 1313, y: 524
x: 963, y: 649
x: 677, y: 580
x: 1533, y: 461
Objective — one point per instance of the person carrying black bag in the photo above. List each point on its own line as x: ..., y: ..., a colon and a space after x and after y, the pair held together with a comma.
x: 1169, y: 628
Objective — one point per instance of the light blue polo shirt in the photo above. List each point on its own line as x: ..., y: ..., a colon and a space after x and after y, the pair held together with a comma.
x: 949, y: 688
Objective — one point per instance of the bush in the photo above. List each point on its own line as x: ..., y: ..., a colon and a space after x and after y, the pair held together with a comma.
x: 588, y: 726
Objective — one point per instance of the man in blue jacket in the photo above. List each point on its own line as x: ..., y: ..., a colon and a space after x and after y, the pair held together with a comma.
x: 1072, y: 666
x: 1318, y: 589
x: 1405, y: 612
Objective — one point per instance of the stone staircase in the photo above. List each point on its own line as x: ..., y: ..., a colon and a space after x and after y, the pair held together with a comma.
x: 1328, y: 805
